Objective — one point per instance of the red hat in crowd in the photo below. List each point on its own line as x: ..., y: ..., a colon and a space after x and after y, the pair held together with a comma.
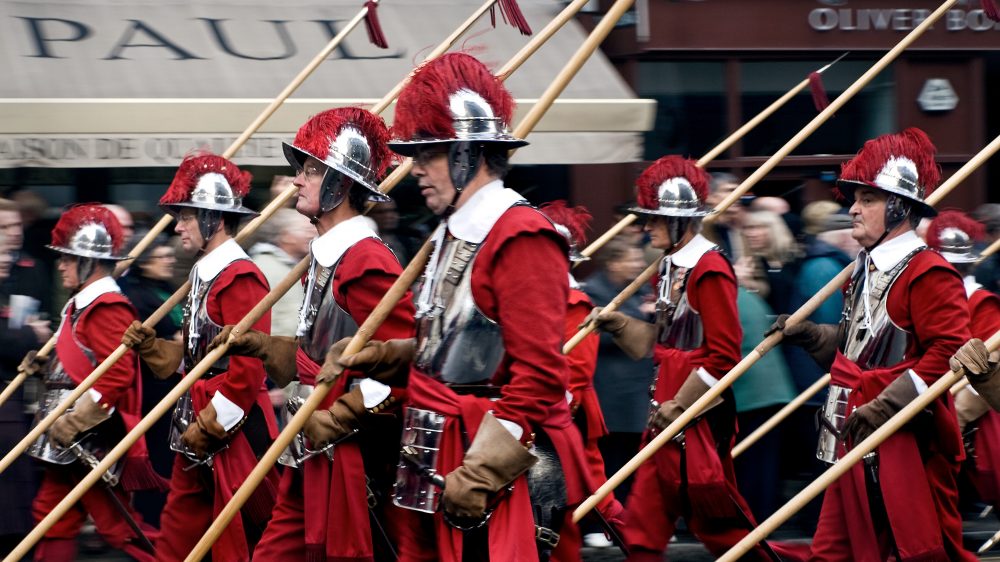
x: 89, y: 231
x: 953, y: 233
x: 672, y: 186
x: 900, y: 164
x: 572, y: 223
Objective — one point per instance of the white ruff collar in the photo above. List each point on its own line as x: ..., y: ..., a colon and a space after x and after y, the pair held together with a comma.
x: 886, y: 255
x: 473, y: 221
x: 212, y: 263
x: 328, y: 248
x: 90, y: 293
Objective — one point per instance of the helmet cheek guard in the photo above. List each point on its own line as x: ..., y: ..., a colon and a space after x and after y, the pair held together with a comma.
x: 208, y: 223
x: 334, y: 190
x: 464, y: 161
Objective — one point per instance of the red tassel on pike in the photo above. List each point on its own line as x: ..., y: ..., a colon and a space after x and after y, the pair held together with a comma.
x: 374, y: 28
x: 511, y: 13
x: 991, y: 9
x: 820, y: 100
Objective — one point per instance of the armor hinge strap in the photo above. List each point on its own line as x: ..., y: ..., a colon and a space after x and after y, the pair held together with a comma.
x: 547, y: 537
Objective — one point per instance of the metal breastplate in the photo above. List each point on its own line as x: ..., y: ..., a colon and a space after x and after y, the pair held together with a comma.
x: 878, y: 342
x: 678, y: 325
x: 322, y: 322
x: 456, y: 343
x: 199, y: 329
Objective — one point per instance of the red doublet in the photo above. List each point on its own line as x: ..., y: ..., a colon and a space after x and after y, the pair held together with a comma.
x: 331, y: 522
x: 917, y: 476
x: 99, y: 329
x: 710, y: 502
x: 984, y: 308
x: 193, y: 503
x: 519, y: 279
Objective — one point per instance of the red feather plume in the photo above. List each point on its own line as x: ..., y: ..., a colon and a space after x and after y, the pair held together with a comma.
x: 953, y: 219
x: 314, y: 137
x: 663, y: 169
x: 911, y: 143
x: 422, y: 109
x: 87, y: 213
x: 196, y: 165
x: 575, y: 219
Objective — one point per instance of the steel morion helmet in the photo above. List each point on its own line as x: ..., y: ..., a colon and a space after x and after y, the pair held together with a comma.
x: 351, y: 142
x: 213, y: 186
x: 901, y: 165
x: 572, y: 223
x: 953, y: 234
x: 675, y: 188
x: 92, y: 234
x: 454, y: 100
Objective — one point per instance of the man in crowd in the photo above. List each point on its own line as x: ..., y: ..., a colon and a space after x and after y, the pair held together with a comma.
x: 905, y: 314
x: 226, y: 421
x: 322, y: 513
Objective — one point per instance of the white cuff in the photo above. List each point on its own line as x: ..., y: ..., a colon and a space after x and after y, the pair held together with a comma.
x: 227, y: 413
x: 374, y: 392
x: 707, y: 378
x: 569, y: 397
x: 970, y: 389
x: 516, y: 430
x: 917, y: 381
x: 96, y: 396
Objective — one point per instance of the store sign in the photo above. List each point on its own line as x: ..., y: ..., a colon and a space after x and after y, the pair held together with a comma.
x: 895, y: 19
x: 937, y: 95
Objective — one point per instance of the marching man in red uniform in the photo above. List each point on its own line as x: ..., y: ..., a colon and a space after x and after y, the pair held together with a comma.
x: 953, y: 234
x: 572, y: 223
x: 90, y: 240
x: 322, y: 511
x: 487, y: 381
x: 695, y: 341
x: 226, y: 421
x: 905, y: 314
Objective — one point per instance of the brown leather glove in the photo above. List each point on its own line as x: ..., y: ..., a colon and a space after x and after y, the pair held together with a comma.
x: 32, y: 364
x: 494, y: 460
x: 85, y: 414
x: 819, y: 340
x: 969, y: 407
x: 635, y: 337
x: 981, y: 368
x: 206, y: 433
x: 385, y: 361
x: 868, y: 417
x: 692, y: 389
x: 343, y: 417
x: 276, y: 352
x: 163, y: 357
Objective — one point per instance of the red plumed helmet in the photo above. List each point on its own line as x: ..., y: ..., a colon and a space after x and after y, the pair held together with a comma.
x: 672, y: 186
x: 207, y: 181
x: 349, y: 140
x: 953, y: 233
x: 89, y: 231
x: 449, y: 99
x: 899, y: 164
x: 572, y: 222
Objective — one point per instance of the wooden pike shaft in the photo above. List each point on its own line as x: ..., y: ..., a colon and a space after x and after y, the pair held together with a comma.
x: 981, y: 157
x: 849, y: 460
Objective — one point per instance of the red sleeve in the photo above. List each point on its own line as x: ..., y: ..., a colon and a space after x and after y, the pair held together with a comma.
x: 363, y: 276
x: 520, y: 278
x: 100, y: 330
x: 237, y: 290
x: 928, y: 300
x: 712, y: 292
x: 582, y: 359
x: 985, y: 309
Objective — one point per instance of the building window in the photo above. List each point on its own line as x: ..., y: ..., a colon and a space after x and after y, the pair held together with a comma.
x: 691, y: 103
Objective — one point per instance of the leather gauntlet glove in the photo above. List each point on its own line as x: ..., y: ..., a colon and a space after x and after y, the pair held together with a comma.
x: 635, y: 337
x: 206, y: 433
x: 385, y: 361
x: 276, y: 352
x: 692, y: 389
x: 867, y: 418
x: 981, y: 368
x: 85, y: 415
x: 494, y: 460
x: 161, y: 356
x: 343, y: 417
x: 969, y: 407
x: 32, y: 364
x: 819, y: 340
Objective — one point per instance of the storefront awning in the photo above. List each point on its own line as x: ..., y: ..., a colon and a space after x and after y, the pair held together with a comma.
x: 140, y: 83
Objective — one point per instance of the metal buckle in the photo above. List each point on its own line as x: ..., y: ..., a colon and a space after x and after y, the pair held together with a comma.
x: 546, y: 536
